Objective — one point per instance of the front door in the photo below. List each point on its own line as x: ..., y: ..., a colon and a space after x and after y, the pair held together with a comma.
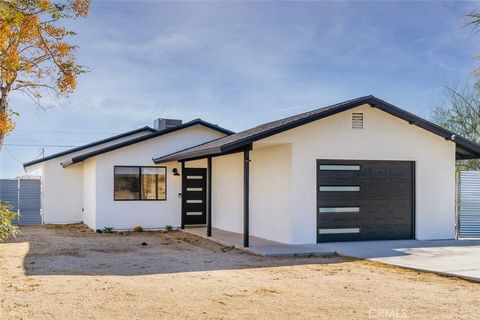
x: 194, y: 196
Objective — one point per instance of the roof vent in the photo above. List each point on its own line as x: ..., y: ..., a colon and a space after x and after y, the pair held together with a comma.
x: 357, y: 120
x: 162, y: 124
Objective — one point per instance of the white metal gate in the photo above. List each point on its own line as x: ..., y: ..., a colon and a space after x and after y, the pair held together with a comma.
x: 469, y: 204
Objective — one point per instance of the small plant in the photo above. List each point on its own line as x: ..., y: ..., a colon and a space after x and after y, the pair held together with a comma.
x: 7, y: 229
x: 108, y: 230
x: 168, y: 228
x: 120, y: 233
x: 99, y: 231
x: 138, y: 229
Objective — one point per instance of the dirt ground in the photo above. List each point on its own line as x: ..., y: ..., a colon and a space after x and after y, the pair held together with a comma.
x: 72, y: 273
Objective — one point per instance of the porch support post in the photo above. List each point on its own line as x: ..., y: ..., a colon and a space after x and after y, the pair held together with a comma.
x: 246, y: 197
x: 209, y: 196
x: 182, y: 223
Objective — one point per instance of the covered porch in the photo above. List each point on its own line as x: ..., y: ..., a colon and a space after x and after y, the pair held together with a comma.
x: 257, y: 245
x: 207, y: 230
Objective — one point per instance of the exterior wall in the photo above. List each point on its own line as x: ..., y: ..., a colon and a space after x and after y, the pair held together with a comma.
x: 227, y: 192
x: 270, y: 193
x: 89, y: 193
x: 62, y: 187
x: 148, y: 214
x: 384, y: 137
x: 62, y: 194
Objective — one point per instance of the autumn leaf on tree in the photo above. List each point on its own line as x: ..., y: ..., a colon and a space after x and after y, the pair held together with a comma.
x: 35, y: 54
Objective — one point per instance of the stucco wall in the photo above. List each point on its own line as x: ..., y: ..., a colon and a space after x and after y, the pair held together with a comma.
x: 384, y: 137
x: 148, y: 214
x: 89, y: 193
x: 62, y: 194
x: 270, y: 192
x: 227, y: 192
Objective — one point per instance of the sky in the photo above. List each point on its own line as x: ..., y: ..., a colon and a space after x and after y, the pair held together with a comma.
x: 240, y: 64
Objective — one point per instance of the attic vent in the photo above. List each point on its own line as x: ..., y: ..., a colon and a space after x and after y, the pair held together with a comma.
x: 357, y: 120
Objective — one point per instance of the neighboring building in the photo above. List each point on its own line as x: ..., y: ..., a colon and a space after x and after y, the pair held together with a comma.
x: 358, y: 170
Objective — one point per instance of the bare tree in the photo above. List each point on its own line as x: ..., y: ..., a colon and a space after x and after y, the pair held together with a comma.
x: 460, y: 113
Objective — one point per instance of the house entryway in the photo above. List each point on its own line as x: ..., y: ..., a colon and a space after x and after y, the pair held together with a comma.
x: 194, y: 196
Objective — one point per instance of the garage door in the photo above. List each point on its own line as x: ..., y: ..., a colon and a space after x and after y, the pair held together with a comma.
x: 365, y: 200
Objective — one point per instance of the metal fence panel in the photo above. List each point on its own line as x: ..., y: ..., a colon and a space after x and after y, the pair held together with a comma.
x: 24, y: 195
x: 29, y: 202
x: 9, y: 192
x: 469, y: 205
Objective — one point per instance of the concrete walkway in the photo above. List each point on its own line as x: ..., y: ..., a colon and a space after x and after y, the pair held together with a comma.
x: 459, y: 258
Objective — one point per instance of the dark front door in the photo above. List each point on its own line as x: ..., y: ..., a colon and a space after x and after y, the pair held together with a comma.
x: 365, y: 200
x: 194, y: 196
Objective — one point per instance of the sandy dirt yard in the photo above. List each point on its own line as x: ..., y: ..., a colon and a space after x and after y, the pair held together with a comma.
x: 72, y: 273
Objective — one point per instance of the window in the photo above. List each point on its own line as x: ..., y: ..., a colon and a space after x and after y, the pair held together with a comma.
x: 339, y: 210
x: 139, y: 183
x: 340, y: 167
x: 339, y: 188
x: 339, y: 230
x: 127, y: 183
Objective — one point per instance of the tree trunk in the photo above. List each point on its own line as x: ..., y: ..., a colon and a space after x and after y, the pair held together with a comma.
x: 3, y: 111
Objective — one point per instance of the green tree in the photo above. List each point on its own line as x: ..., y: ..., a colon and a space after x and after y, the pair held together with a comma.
x: 460, y: 113
x: 473, y: 19
x: 7, y: 230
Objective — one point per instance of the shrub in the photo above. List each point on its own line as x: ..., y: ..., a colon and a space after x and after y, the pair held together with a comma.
x: 6, y: 216
x: 108, y: 230
x: 120, y: 233
x: 168, y: 228
x: 138, y: 229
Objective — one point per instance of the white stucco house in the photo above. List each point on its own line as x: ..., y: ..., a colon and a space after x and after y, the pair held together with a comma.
x: 362, y: 169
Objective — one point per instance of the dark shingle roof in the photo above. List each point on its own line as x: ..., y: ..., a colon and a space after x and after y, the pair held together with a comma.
x: 465, y: 149
x: 89, y: 145
x: 155, y: 134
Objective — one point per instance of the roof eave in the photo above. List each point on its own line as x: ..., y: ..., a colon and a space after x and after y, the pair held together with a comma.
x: 67, y: 163
x: 471, y: 149
x: 189, y: 156
x: 88, y: 145
x: 192, y: 123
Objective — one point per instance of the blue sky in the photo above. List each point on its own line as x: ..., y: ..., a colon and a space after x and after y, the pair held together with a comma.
x: 239, y: 64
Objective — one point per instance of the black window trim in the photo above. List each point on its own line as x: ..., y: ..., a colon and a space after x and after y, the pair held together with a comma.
x: 140, y: 175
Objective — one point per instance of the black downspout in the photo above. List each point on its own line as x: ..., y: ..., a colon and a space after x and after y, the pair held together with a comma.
x: 182, y: 223
x: 209, y: 196
x: 246, y: 194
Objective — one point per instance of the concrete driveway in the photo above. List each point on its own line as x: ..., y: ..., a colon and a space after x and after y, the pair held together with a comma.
x: 452, y: 257
x: 460, y: 258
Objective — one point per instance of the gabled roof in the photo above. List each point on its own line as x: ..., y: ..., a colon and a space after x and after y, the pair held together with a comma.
x: 465, y: 149
x: 89, y: 145
x: 155, y: 134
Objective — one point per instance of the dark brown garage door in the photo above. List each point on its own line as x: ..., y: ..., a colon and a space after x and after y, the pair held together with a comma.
x: 365, y: 200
